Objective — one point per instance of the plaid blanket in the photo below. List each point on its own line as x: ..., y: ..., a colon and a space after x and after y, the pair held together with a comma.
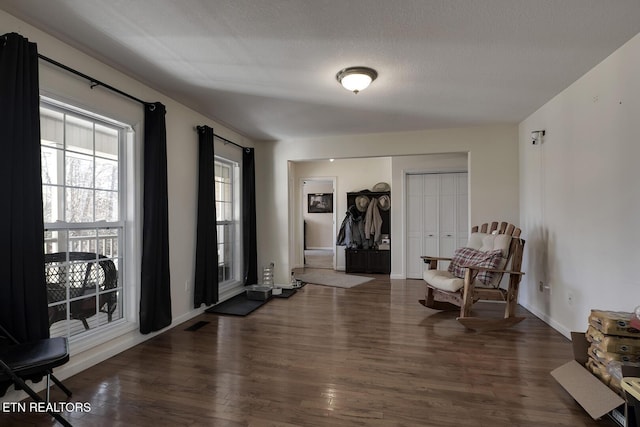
x: 472, y: 257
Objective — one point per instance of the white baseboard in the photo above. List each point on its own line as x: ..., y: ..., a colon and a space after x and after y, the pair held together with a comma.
x: 549, y: 321
x: 319, y: 248
x: 397, y: 276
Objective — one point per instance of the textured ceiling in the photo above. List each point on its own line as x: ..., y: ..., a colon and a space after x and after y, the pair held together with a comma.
x: 267, y: 68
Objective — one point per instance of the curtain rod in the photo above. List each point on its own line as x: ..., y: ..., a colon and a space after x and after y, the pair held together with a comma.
x: 197, y: 128
x: 94, y: 82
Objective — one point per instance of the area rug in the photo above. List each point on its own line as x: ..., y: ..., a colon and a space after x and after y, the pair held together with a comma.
x: 332, y: 278
x: 239, y: 305
x: 318, y: 258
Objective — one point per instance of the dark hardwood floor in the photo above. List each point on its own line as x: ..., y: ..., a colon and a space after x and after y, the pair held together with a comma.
x: 365, y: 356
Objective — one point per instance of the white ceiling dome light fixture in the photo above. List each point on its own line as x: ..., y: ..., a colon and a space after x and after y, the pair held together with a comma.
x: 356, y: 79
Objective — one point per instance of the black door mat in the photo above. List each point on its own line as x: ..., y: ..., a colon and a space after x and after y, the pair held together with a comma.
x: 286, y: 293
x: 239, y: 305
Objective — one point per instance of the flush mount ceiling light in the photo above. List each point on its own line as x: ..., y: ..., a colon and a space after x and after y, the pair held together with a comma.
x: 356, y: 79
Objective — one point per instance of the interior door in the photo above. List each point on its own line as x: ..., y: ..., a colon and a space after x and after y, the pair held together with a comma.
x: 437, y: 218
x: 422, y: 221
x: 447, y: 221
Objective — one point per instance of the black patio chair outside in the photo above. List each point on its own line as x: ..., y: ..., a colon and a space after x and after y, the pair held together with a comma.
x: 82, y: 279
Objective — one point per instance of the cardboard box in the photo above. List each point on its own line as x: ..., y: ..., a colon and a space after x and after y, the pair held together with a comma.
x: 596, y: 398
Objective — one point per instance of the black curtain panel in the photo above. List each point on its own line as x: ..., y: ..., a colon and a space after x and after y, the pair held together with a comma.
x: 155, y: 285
x: 23, y: 296
x: 249, y: 243
x: 206, y: 283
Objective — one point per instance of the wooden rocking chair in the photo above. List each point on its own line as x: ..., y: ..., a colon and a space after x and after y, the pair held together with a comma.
x: 475, y: 274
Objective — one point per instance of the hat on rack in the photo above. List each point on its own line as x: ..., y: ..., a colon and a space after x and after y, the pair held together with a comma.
x: 384, y: 202
x: 381, y: 186
x: 362, y: 202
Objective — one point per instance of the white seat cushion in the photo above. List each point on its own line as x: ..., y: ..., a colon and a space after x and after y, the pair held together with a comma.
x: 442, y: 279
x: 485, y: 242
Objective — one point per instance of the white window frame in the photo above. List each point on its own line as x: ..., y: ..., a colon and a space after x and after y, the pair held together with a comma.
x: 235, y: 282
x: 129, y: 205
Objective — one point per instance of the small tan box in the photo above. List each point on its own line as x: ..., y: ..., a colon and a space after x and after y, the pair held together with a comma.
x: 613, y: 343
x: 613, y: 323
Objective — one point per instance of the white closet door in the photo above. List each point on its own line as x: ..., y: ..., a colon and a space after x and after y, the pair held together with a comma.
x: 437, y: 212
x: 462, y: 210
x: 415, y: 214
x: 447, y: 219
x: 430, y: 217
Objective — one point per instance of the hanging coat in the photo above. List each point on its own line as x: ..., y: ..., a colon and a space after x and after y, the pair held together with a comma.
x: 351, y: 233
x: 373, y: 222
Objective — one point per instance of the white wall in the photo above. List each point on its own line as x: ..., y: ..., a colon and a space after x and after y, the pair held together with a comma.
x: 579, y: 196
x: 182, y: 165
x: 493, y: 176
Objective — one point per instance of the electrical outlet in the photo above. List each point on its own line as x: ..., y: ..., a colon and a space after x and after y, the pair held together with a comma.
x: 186, y: 285
x: 570, y: 298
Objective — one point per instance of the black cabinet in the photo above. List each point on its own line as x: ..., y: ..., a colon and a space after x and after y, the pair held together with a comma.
x: 368, y: 261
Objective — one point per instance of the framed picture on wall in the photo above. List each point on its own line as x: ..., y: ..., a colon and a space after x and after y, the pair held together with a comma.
x: 320, y: 203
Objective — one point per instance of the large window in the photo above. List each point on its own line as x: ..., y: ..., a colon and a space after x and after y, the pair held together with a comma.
x: 84, y: 205
x: 227, y: 220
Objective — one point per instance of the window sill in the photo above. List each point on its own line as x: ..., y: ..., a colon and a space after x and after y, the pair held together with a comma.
x: 102, y: 335
x: 230, y: 290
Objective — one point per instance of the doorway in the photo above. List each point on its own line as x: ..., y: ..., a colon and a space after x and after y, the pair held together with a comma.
x: 318, y: 218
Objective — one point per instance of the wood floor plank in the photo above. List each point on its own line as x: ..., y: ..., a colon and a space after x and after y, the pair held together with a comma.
x: 366, y: 356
